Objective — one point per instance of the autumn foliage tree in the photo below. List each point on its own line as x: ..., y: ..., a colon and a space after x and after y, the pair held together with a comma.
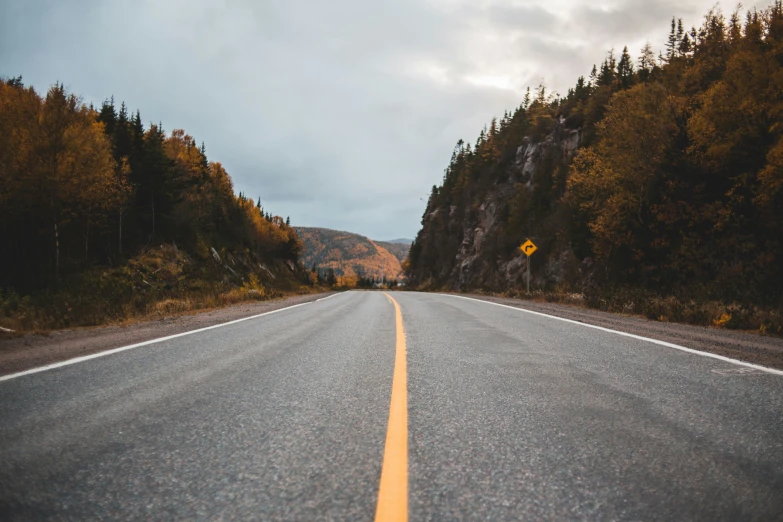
x: 676, y: 188
x: 80, y: 187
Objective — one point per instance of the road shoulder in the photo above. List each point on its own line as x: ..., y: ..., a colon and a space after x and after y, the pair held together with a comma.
x: 752, y: 348
x: 34, y: 350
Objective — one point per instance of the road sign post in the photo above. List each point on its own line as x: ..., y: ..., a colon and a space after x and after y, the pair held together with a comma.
x: 528, y: 248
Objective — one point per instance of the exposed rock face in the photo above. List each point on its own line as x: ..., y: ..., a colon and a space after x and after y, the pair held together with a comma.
x: 472, y: 268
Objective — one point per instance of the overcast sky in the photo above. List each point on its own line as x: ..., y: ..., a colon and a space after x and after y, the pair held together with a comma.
x: 341, y: 113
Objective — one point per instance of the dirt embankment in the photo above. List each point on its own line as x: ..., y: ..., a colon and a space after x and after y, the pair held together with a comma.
x: 754, y: 348
x: 30, y: 351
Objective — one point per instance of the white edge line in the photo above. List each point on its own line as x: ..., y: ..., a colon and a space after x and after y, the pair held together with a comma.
x: 328, y: 296
x: 83, y: 358
x: 639, y: 337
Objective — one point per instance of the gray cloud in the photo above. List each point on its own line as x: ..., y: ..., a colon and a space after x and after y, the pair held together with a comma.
x: 340, y: 114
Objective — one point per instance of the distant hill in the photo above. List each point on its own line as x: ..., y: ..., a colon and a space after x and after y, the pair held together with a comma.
x: 350, y: 255
x: 401, y: 240
x: 397, y: 248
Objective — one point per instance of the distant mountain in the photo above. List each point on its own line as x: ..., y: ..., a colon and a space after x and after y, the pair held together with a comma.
x: 397, y: 248
x: 350, y: 255
x: 401, y: 240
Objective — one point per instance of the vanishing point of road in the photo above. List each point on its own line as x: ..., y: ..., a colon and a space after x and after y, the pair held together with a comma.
x: 368, y: 405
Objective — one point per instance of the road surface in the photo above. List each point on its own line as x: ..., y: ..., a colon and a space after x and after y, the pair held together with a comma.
x: 507, y: 416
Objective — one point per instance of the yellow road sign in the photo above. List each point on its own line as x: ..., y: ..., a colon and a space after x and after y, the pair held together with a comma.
x: 528, y: 247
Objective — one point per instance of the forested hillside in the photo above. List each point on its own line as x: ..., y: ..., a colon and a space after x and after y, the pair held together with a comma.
x: 397, y: 249
x: 100, y: 212
x: 654, y: 185
x: 350, y: 256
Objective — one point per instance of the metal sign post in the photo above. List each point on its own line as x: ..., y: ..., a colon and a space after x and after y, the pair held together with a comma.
x: 528, y: 248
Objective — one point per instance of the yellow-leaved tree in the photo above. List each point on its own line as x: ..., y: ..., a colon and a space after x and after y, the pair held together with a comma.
x: 613, y: 184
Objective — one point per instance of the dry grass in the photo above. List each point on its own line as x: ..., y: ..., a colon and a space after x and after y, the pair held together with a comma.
x: 733, y: 316
x: 172, y: 306
x: 161, y: 282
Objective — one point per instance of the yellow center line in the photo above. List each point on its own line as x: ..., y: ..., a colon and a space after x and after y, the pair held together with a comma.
x: 393, y: 492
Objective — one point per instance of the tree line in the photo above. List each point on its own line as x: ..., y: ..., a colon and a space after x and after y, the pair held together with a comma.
x: 81, y: 187
x: 376, y: 282
x: 677, y: 186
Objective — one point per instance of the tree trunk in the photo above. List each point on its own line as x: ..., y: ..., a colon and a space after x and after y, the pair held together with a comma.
x: 56, y: 253
x: 120, y: 240
x: 56, y: 241
x: 87, y: 245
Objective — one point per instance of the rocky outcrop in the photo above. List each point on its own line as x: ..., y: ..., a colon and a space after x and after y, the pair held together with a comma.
x: 472, y: 267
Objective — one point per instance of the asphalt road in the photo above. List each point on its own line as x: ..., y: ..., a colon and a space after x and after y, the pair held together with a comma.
x: 509, y: 416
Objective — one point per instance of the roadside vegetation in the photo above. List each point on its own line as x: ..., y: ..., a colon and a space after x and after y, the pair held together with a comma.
x: 671, y: 204
x: 629, y: 301
x: 159, y: 282
x: 106, y: 219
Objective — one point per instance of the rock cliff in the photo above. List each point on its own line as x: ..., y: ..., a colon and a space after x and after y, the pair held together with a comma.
x: 466, y: 234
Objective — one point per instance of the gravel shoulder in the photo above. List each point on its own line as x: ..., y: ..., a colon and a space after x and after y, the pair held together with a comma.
x: 30, y: 351
x: 749, y: 347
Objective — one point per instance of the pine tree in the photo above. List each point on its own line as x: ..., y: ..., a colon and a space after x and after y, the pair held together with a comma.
x: 159, y: 191
x: 607, y: 74
x: 108, y: 116
x: 680, y: 30
x: 581, y: 90
x: 541, y: 94
x: 204, y: 161
x: 671, y: 43
x: 735, y: 27
x: 137, y: 139
x: 646, y: 62
x: 123, y: 140
x: 625, y: 69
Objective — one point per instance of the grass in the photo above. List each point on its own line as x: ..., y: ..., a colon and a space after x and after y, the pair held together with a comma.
x: 160, y: 282
x: 731, y: 316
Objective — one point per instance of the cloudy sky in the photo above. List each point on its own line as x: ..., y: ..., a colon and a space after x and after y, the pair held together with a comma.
x: 341, y: 114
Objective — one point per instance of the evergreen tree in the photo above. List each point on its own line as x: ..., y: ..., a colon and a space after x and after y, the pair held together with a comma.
x: 608, y: 69
x: 646, y: 62
x: 16, y: 82
x: 123, y: 140
x: 137, y: 148
x: 159, y: 190
x: 671, y: 42
x: 108, y: 116
x: 685, y: 45
x: 625, y: 69
x: 581, y: 91
x: 680, y: 30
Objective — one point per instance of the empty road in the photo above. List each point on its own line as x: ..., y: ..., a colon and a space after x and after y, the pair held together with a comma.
x: 496, y: 414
